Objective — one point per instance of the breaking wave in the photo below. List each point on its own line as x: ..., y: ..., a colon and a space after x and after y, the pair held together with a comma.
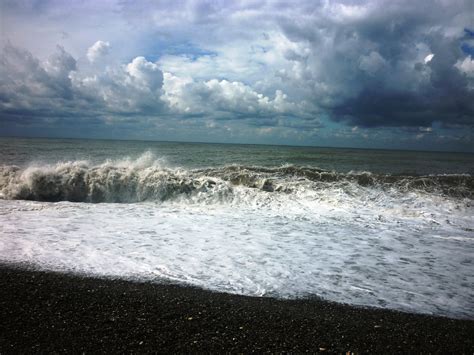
x: 149, y: 179
x: 394, y: 241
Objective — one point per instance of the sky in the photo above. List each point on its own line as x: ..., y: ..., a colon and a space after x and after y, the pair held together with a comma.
x: 366, y: 74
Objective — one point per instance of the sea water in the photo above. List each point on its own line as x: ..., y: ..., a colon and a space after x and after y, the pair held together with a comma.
x: 391, y: 229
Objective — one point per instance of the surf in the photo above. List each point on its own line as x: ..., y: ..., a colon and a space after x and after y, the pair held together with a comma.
x: 149, y: 179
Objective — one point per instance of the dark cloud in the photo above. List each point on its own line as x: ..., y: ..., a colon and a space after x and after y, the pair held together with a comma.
x: 342, y: 67
x: 369, y: 66
x: 55, y: 88
x: 29, y: 85
x: 444, y: 97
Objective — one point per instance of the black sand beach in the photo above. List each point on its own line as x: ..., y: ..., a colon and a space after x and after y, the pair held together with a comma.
x: 54, y: 312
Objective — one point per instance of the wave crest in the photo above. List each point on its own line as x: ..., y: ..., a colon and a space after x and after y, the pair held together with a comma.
x: 148, y: 179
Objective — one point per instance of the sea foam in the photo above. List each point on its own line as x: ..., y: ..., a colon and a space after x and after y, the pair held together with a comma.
x: 147, y: 178
x: 402, y: 242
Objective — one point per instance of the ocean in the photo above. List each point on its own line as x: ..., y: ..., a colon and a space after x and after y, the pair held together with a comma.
x: 381, y: 228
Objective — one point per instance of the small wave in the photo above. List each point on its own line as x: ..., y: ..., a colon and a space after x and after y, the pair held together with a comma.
x: 286, y: 177
x: 148, y: 178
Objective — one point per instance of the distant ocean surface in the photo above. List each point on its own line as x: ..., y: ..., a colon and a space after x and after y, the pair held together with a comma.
x: 391, y: 229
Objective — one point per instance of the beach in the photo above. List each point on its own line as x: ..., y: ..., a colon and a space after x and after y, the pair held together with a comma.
x: 112, y: 246
x: 47, y: 312
x: 390, y: 229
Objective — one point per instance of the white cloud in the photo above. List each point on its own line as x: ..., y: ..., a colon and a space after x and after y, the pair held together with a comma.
x: 97, y: 50
x: 428, y: 58
x: 217, y: 97
x: 140, y: 87
x: 466, y: 66
x: 146, y: 74
x: 134, y: 88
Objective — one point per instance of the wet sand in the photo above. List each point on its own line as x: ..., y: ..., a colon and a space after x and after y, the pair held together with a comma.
x: 54, y: 312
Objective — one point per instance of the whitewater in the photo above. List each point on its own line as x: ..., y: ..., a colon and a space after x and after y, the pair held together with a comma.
x: 399, y: 241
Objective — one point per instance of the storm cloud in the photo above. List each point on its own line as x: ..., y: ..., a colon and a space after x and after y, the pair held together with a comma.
x: 306, y: 72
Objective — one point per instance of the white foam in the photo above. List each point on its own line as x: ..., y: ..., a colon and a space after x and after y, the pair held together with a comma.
x: 410, y: 251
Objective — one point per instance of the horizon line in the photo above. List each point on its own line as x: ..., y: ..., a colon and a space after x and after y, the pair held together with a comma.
x: 233, y: 143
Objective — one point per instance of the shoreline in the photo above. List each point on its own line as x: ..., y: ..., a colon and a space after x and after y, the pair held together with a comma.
x: 43, y: 311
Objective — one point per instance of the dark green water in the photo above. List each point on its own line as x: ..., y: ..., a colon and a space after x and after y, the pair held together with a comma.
x: 21, y: 151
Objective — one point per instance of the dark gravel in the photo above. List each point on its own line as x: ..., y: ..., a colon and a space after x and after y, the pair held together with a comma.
x: 43, y: 312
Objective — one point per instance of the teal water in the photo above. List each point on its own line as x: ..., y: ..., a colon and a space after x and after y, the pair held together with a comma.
x: 193, y: 155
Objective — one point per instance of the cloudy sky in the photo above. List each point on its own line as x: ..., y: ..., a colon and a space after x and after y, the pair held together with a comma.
x: 378, y: 73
